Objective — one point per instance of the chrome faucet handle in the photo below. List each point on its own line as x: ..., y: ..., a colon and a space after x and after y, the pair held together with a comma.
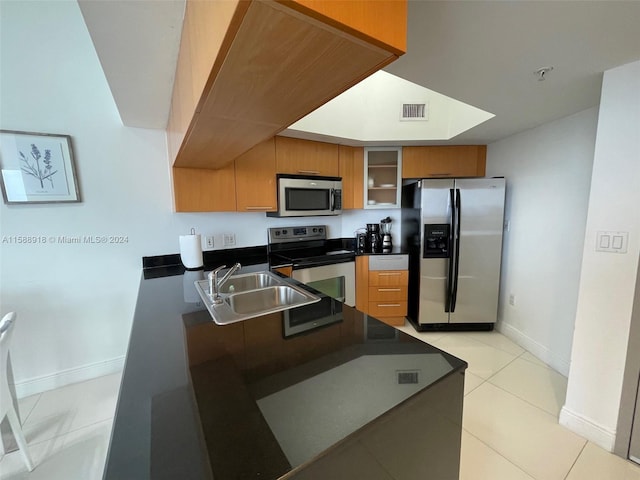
x: 227, y: 275
x: 213, y: 282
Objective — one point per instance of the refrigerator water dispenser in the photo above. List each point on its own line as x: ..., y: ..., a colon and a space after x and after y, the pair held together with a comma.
x: 436, y: 240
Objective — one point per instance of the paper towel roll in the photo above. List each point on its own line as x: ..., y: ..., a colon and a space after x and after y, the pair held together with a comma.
x: 191, y: 251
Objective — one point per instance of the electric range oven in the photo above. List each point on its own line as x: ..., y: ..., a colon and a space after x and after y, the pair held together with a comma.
x: 321, y: 263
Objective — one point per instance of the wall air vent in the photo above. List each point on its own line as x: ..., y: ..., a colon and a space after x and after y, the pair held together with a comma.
x: 414, y: 112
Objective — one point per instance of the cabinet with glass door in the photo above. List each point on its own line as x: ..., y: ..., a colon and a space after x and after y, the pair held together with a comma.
x: 382, y: 177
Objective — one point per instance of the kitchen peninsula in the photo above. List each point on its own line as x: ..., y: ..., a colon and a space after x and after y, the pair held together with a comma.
x: 353, y: 398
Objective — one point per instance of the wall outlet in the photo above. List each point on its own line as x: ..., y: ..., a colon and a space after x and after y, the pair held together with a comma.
x: 512, y: 300
x: 229, y: 239
x: 209, y: 242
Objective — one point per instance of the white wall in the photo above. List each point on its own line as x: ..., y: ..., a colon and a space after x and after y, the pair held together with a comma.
x: 608, y: 280
x: 548, y: 171
x: 75, y: 302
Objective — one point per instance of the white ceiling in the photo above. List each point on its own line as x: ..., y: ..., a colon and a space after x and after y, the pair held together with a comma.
x: 481, y: 53
x: 137, y: 43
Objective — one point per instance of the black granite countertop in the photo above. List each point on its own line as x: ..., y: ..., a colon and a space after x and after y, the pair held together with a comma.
x: 257, y: 398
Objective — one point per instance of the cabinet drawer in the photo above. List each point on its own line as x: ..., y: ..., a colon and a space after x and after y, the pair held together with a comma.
x: 389, y: 278
x: 382, y: 294
x: 388, y: 262
x: 388, y: 309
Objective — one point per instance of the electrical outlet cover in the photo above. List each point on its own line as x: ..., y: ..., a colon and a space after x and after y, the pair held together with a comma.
x: 229, y: 239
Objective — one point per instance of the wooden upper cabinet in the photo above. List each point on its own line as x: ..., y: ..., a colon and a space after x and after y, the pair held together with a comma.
x: 352, y: 173
x: 306, y: 157
x: 444, y: 161
x: 203, y: 34
x: 204, y: 190
x: 256, y: 179
x: 377, y: 22
x: 248, y: 69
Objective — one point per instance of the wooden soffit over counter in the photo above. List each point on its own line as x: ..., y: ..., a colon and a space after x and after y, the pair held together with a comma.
x: 277, y: 62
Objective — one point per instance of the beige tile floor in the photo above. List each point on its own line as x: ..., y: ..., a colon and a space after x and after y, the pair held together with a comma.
x: 68, y: 431
x: 510, y: 417
x: 510, y: 427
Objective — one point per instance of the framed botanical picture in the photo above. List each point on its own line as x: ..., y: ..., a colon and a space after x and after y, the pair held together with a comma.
x: 37, y: 168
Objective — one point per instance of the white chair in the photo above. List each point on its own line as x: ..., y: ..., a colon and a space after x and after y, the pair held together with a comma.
x: 6, y: 401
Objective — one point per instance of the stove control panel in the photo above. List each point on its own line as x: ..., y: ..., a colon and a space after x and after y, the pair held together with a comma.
x: 293, y: 234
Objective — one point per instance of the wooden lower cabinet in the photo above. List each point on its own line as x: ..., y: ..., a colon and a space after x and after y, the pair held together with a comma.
x: 382, y: 293
x: 288, y: 270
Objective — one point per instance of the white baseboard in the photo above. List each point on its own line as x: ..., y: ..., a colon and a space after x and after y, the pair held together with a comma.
x: 559, y: 364
x: 67, y: 377
x: 588, y: 429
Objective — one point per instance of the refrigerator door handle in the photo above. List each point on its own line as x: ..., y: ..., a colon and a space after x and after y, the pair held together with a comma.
x: 456, y: 253
x: 447, y: 305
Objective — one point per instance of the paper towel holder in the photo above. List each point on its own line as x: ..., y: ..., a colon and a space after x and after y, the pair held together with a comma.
x: 191, y: 251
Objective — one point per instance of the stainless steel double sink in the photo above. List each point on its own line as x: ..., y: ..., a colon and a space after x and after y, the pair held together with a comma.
x: 251, y: 295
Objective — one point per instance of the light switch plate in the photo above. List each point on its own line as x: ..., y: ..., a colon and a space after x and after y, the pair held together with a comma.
x: 612, y: 242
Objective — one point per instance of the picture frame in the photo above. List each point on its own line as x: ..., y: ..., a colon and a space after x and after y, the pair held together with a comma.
x: 37, y: 168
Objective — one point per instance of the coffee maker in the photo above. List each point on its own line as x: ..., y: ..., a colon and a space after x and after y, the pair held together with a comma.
x: 374, y: 241
x: 385, y: 234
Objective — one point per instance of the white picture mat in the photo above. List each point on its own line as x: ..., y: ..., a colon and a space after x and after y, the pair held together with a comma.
x: 37, y: 168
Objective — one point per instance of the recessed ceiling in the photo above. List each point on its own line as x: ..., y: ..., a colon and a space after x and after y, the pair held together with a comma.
x: 371, y: 111
x: 485, y: 54
x: 482, y: 53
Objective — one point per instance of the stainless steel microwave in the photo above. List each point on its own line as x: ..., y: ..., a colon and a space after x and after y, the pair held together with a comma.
x: 305, y: 196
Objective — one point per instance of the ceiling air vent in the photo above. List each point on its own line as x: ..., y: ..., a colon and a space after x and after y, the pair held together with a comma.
x: 415, y: 112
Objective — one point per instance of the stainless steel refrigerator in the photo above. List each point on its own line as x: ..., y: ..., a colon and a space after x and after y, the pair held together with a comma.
x: 452, y: 230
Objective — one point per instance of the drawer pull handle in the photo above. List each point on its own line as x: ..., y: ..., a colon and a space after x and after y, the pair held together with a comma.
x: 260, y: 208
x: 392, y: 274
x: 310, y: 172
x: 388, y: 304
x: 388, y: 289
x: 440, y: 174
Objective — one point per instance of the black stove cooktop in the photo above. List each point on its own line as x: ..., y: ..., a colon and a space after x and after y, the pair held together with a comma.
x: 303, y: 247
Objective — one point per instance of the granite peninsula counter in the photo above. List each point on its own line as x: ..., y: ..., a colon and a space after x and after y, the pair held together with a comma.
x: 345, y: 396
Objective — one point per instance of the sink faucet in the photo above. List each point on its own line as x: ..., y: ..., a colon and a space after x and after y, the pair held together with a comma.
x: 215, y: 284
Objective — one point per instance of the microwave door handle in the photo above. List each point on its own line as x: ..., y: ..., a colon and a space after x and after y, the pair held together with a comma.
x: 332, y: 199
